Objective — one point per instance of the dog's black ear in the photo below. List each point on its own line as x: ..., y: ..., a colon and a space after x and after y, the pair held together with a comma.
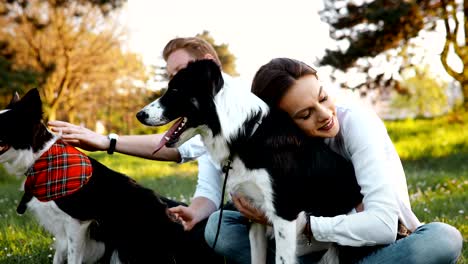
x: 13, y: 100
x: 211, y: 72
x: 31, y: 103
x: 216, y: 76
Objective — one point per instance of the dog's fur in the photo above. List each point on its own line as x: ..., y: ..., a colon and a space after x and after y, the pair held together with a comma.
x: 111, y: 218
x: 282, y: 171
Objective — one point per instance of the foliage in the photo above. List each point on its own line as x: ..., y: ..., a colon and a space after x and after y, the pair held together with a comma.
x: 73, y: 52
x: 228, y: 60
x: 376, y: 27
x: 15, y: 79
x: 105, y: 6
x: 424, y: 96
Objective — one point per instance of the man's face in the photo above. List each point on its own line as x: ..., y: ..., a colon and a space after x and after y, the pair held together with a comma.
x: 177, y: 60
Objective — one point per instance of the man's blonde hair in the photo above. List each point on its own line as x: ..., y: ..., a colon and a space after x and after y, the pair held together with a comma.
x: 196, y: 47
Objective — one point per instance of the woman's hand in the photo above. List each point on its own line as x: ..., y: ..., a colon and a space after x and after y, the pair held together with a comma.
x: 248, y: 210
x: 79, y: 136
x: 359, y: 208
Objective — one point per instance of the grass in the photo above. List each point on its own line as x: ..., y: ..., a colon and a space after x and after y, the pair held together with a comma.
x: 434, y: 154
x: 22, y: 240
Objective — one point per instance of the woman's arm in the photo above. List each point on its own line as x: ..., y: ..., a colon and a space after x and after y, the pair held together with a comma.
x: 367, y: 144
x: 144, y: 146
x: 135, y: 145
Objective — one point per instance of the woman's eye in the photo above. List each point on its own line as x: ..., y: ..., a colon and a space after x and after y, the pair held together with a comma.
x: 306, y: 115
x: 325, y: 98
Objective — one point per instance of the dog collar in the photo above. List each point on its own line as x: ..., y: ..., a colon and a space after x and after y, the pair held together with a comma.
x: 60, y: 171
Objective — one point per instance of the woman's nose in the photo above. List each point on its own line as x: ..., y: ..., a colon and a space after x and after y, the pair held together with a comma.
x: 323, y: 113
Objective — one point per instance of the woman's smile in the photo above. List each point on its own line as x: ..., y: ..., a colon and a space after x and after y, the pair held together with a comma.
x: 329, y: 125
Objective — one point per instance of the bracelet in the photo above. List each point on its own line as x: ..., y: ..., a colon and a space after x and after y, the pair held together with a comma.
x: 113, y: 141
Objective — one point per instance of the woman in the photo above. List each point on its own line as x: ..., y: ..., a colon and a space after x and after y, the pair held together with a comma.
x: 368, y: 234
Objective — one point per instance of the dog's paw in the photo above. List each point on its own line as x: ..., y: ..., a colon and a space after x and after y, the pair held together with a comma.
x: 301, y: 222
x: 305, y: 240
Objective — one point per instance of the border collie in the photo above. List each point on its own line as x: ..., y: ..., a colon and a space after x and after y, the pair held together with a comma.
x: 104, y: 216
x: 281, y: 170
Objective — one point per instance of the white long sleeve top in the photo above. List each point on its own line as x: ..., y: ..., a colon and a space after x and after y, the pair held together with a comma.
x: 364, y: 140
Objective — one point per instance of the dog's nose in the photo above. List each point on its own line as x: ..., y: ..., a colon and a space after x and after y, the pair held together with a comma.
x: 142, y: 116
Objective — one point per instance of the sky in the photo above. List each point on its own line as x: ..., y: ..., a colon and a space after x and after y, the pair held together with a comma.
x: 255, y: 30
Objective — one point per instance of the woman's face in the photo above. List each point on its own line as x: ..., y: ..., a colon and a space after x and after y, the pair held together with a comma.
x: 311, y: 108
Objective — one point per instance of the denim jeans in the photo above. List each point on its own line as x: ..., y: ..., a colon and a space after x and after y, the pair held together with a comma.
x: 430, y: 243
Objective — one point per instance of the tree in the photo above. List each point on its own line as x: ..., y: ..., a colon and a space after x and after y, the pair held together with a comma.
x: 375, y: 27
x: 228, y: 60
x: 72, y: 47
x: 105, y: 6
x: 425, y: 95
x: 12, y: 78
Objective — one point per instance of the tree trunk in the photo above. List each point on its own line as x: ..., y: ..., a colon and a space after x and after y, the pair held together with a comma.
x: 51, y: 114
x: 464, y: 87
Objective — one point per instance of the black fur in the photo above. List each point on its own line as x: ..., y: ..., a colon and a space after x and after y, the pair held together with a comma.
x: 126, y: 216
x: 191, y: 95
x: 306, y: 174
x: 28, y: 131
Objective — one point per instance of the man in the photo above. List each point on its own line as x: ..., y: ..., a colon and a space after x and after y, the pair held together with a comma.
x: 177, y: 54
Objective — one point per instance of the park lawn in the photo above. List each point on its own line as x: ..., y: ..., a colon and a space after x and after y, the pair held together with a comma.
x: 434, y: 154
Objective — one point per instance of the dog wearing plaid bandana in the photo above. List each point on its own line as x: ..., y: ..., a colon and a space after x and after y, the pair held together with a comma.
x: 95, y: 214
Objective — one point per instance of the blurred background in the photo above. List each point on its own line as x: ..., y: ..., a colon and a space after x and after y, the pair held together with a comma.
x: 97, y: 62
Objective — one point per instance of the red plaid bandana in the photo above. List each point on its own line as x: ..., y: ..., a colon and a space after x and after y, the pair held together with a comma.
x: 60, y: 171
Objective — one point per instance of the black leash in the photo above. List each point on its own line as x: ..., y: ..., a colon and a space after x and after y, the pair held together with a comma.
x: 226, y: 168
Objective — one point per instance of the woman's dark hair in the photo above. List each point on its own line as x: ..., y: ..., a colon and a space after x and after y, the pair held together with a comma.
x: 273, y: 79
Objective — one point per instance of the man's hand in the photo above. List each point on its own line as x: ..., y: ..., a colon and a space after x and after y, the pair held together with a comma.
x: 199, y: 209
x: 186, y: 215
x: 79, y: 136
x: 246, y: 209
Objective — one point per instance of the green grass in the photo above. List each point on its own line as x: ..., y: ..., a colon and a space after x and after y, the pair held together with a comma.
x: 434, y: 154
x: 435, y: 157
x: 22, y: 240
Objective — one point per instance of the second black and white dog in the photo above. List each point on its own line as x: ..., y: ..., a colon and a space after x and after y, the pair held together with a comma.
x: 109, y: 218
x: 282, y: 171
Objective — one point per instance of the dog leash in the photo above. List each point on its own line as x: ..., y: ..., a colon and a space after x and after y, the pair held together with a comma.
x: 226, y: 168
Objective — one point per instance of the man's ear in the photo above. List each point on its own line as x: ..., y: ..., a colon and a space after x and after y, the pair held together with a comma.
x: 208, y: 57
x: 14, y: 99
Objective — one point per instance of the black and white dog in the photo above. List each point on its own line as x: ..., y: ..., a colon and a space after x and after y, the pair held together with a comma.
x: 110, y: 218
x: 272, y: 162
